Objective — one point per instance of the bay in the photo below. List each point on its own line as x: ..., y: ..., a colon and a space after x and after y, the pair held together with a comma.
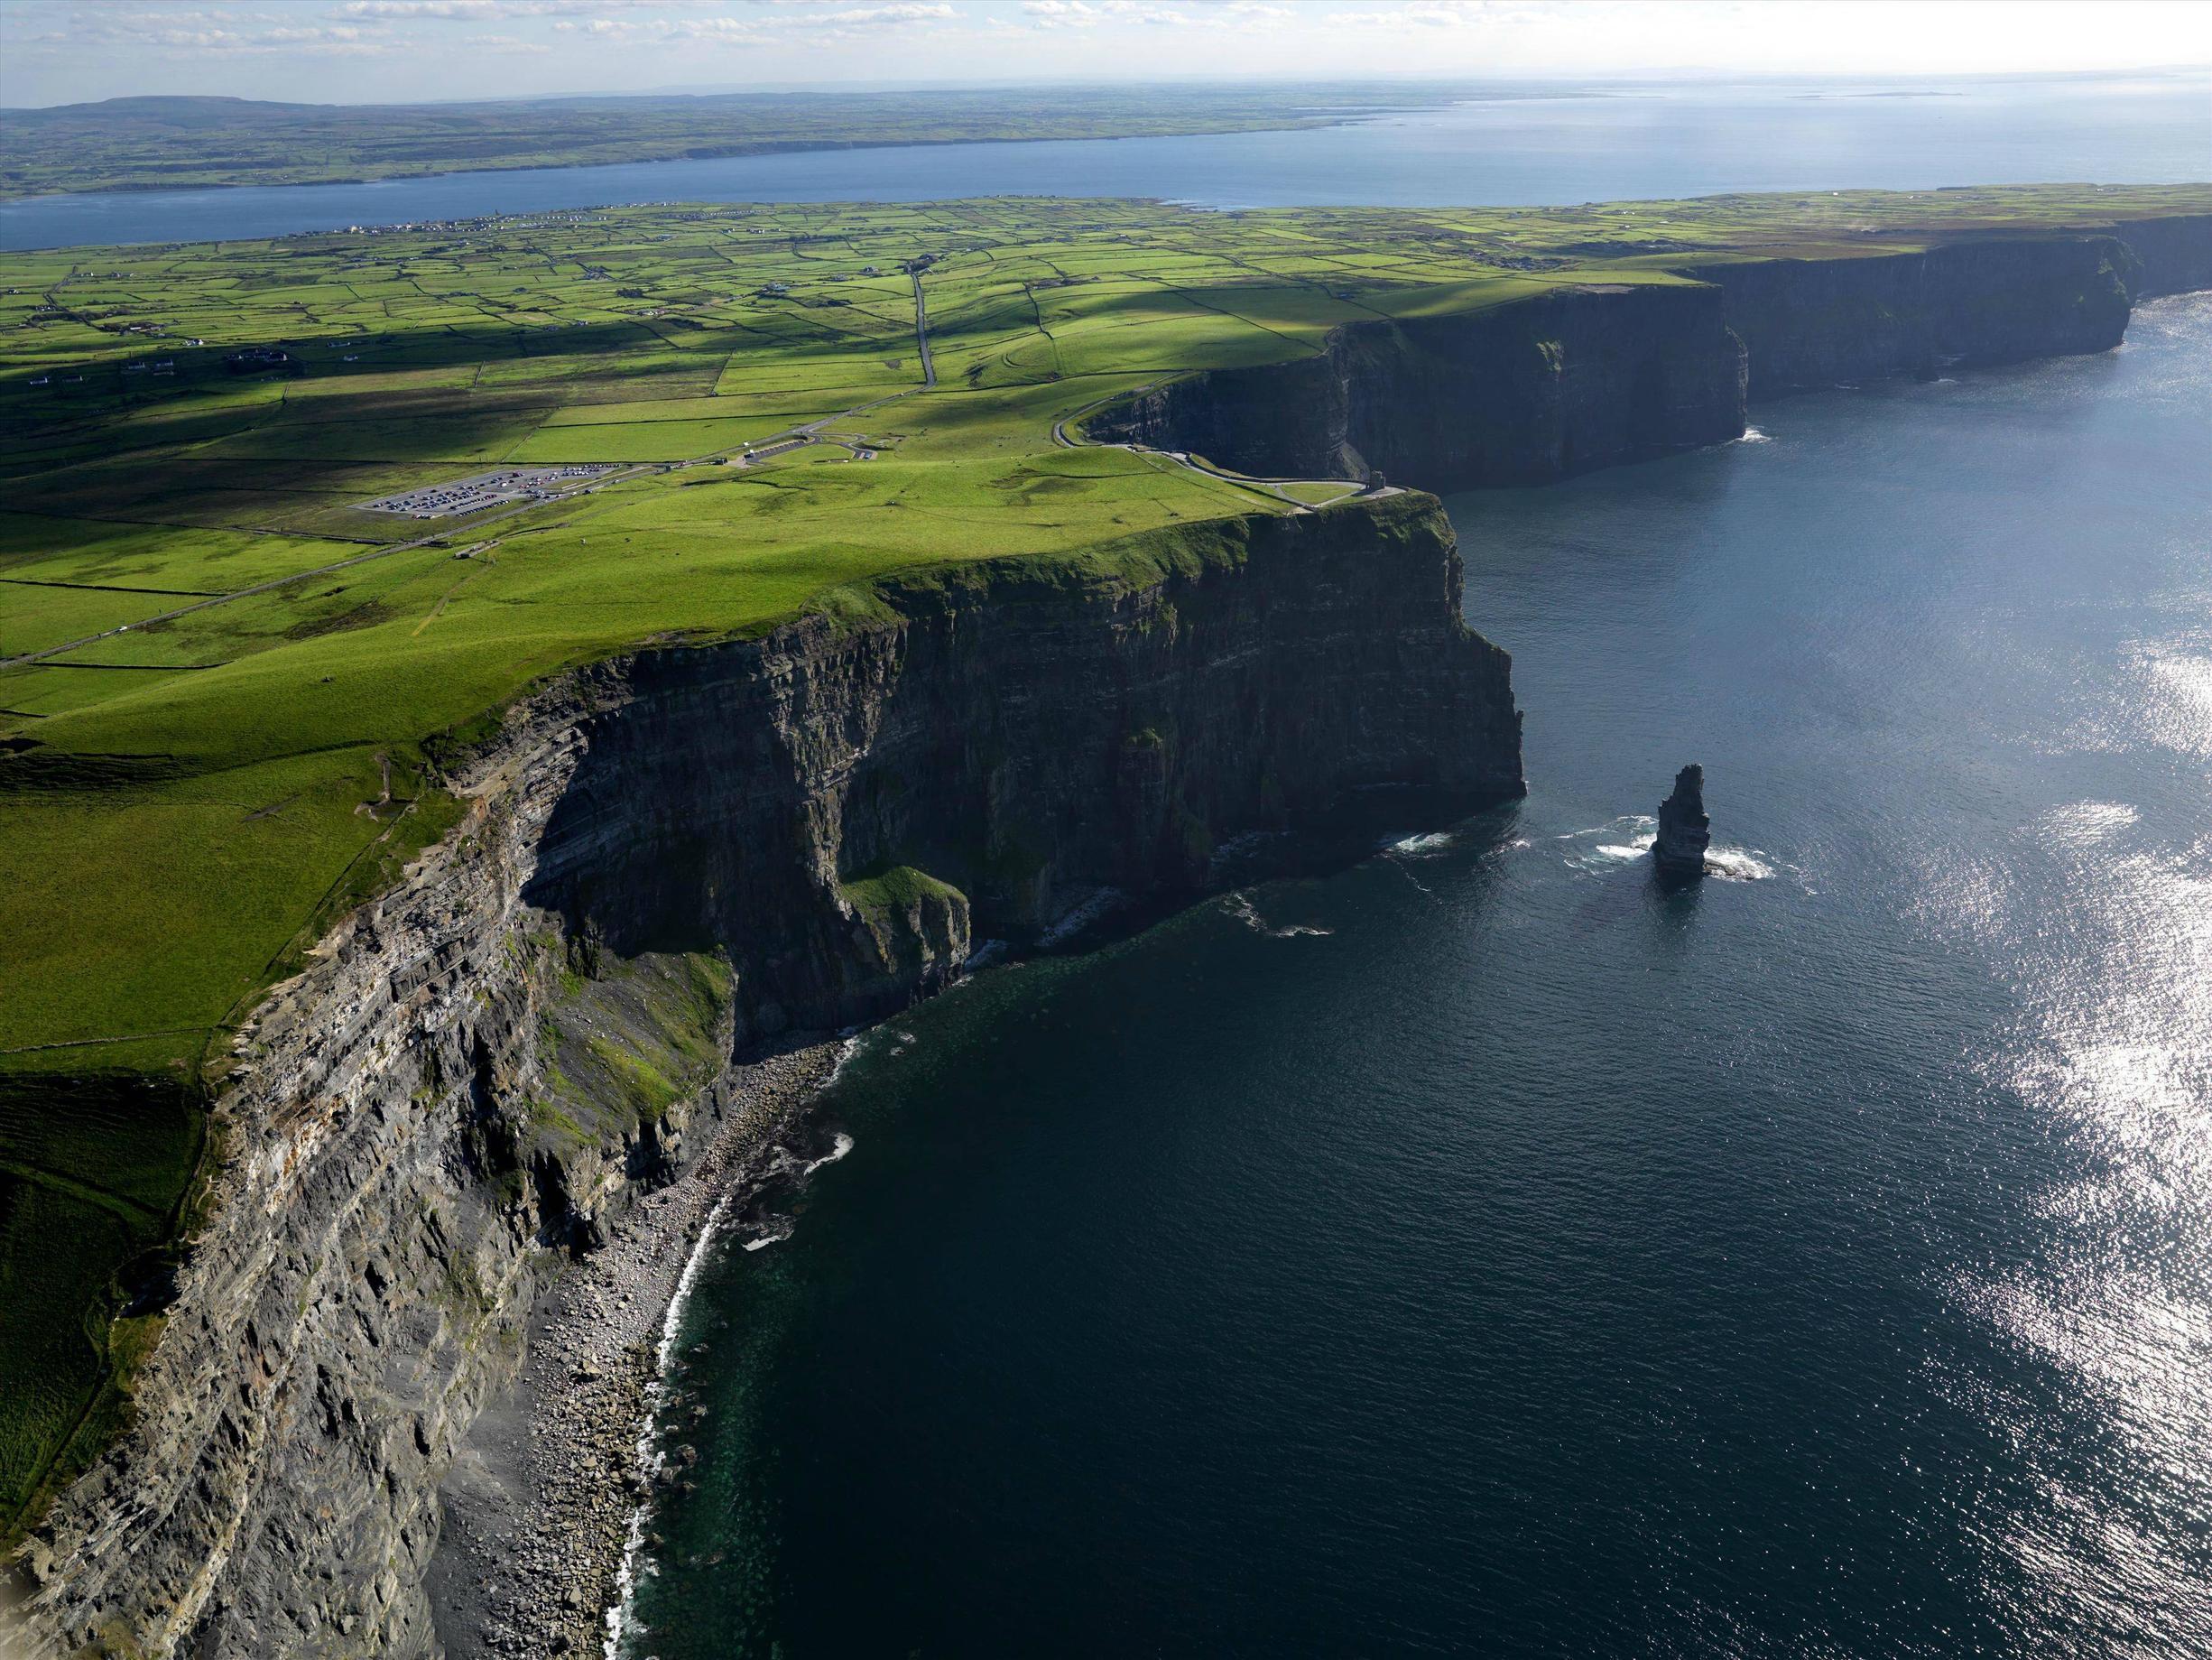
x: 1595, y: 142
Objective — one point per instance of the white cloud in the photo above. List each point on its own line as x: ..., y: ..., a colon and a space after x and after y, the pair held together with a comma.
x: 494, y: 11
x: 806, y: 26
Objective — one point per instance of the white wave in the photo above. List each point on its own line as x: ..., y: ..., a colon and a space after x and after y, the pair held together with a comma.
x: 1737, y: 864
x: 1435, y: 841
x: 839, y: 1146
x: 775, y: 1234
x: 1628, y: 823
x: 1241, y: 907
x: 621, y: 1615
x: 846, y: 1050
x: 1628, y: 837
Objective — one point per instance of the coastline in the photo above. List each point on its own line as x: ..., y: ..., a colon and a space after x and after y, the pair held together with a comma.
x: 733, y: 153
x: 543, y: 1501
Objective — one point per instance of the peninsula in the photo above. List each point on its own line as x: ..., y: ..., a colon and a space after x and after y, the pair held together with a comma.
x: 470, y: 695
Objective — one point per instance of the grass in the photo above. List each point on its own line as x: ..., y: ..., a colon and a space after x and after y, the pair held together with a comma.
x: 184, y: 806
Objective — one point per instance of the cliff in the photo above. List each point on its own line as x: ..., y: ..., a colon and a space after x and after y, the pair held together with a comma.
x: 1814, y: 323
x: 1596, y: 375
x: 1522, y: 392
x: 2174, y: 253
x: 666, y: 857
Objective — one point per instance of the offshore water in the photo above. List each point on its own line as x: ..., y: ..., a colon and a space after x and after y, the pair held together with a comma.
x: 1481, y: 1251
x: 1596, y: 143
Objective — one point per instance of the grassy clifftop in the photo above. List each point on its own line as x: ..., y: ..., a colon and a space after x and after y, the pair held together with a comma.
x: 224, y: 673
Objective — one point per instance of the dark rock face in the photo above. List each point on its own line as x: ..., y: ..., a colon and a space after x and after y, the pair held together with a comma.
x: 1597, y: 376
x: 1684, y: 831
x: 1023, y: 747
x: 1535, y: 389
x: 1814, y: 323
x: 666, y: 856
x: 2175, y: 253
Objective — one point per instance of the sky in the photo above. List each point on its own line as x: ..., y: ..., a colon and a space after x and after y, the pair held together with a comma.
x: 405, y: 51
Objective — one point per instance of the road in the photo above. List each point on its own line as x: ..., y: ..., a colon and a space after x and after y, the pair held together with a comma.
x: 921, y: 333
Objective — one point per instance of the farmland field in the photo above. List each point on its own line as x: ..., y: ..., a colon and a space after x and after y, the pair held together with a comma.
x: 187, y: 798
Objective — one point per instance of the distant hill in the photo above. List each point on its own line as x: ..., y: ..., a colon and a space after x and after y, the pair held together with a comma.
x: 138, y: 143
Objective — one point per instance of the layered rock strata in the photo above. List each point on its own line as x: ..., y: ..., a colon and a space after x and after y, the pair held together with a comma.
x: 666, y: 859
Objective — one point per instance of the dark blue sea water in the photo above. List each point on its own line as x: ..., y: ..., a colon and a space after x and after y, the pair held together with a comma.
x: 1483, y: 1251
x: 1687, y: 139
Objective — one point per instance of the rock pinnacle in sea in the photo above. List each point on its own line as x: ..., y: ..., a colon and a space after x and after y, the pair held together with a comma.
x: 1684, y: 831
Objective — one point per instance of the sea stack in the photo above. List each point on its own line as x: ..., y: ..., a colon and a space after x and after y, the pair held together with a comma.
x: 1683, y: 827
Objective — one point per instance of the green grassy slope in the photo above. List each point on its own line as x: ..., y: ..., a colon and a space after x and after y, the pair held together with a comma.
x: 184, y: 804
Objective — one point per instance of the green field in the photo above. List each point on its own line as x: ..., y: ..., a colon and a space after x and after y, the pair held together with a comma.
x: 184, y: 804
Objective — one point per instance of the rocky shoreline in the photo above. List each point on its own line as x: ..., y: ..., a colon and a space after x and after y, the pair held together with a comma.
x: 539, y: 1503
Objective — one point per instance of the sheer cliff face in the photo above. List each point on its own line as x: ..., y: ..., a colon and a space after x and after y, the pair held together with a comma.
x: 1525, y: 392
x: 2175, y: 253
x: 1811, y: 323
x: 674, y: 853
x: 1591, y: 376
x: 1025, y: 743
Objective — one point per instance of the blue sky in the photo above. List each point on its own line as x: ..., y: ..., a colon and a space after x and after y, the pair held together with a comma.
x: 385, y: 51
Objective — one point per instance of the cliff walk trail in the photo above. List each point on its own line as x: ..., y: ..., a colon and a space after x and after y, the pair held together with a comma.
x: 1272, y: 487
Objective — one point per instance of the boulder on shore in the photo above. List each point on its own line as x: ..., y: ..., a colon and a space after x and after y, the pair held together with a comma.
x: 1684, y: 830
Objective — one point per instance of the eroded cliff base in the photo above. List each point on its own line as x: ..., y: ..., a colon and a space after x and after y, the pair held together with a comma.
x: 542, y: 1492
